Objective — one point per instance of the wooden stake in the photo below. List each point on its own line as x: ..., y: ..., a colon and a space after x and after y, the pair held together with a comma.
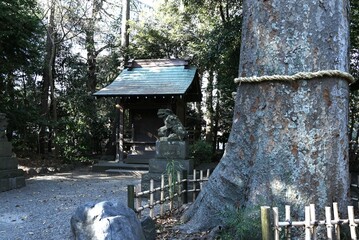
x: 313, y: 219
x: 170, y: 190
x: 178, y: 183
x: 138, y: 201
x: 287, y: 218
x: 266, y: 225
x: 308, y: 231
x: 200, y: 179
x: 151, y: 199
x: 131, y: 196
x: 352, y: 224
x: 328, y: 221
x: 185, y: 187
x: 276, y: 223
x: 194, y: 185
x: 336, y: 219
x: 162, y: 197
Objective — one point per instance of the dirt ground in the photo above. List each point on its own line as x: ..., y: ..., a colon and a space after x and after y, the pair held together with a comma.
x: 42, y: 209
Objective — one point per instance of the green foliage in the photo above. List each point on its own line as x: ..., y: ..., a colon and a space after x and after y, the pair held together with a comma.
x: 201, y: 151
x: 20, y: 35
x: 354, y: 93
x: 20, y: 48
x: 241, y: 223
x: 354, y: 24
x: 82, y: 132
x: 172, y: 168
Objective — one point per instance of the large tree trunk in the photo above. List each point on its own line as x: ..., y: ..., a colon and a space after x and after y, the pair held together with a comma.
x: 288, y: 143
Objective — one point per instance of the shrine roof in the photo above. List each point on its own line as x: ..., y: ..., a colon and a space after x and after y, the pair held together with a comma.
x: 153, y: 77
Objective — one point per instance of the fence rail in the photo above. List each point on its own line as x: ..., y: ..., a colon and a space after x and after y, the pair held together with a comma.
x: 271, y: 227
x: 178, y: 187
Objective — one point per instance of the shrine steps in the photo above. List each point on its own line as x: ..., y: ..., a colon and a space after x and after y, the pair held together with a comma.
x: 113, y: 166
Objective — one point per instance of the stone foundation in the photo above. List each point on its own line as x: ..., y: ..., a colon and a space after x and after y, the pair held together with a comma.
x: 166, y: 152
x: 10, y: 176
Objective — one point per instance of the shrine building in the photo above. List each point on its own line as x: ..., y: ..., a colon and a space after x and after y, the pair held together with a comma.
x: 142, y: 88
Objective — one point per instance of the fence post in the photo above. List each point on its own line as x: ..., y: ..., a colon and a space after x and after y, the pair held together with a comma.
x: 328, y: 222
x: 162, y: 197
x: 185, y: 187
x: 288, y: 219
x: 336, y: 219
x: 170, y: 190
x: 276, y: 223
x: 138, y: 200
x: 194, y: 185
x: 352, y: 224
x: 200, y: 179
x: 308, y: 231
x: 266, y: 225
x: 151, y: 198
x: 179, y: 185
x: 313, y: 218
x: 131, y: 196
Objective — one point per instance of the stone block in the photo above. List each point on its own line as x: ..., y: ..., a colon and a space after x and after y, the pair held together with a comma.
x: 5, y: 149
x: 159, y: 166
x: 149, y: 228
x: 20, y: 182
x: 8, y: 163
x: 145, y: 180
x: 10, y: 173
x: 4, y: 185
x: 172, y: 150
x: 7, y: 184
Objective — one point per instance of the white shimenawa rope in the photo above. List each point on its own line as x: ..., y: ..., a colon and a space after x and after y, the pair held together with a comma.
x: 299, y: 76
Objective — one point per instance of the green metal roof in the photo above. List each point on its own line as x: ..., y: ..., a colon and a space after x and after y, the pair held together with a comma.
x: 151, y: 80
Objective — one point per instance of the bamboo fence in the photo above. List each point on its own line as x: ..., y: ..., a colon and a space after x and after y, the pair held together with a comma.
x: 355, y: 191
x: 272, y: 227
x: 174, y: 193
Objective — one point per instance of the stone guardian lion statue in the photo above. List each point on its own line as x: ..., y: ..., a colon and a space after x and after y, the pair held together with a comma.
x: 173, y: 130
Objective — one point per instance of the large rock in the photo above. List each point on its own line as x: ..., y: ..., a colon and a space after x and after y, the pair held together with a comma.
x: 149, y: 228
x: 106, y: 221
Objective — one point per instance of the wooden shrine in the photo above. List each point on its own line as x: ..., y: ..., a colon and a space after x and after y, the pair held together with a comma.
x: 142, y: 88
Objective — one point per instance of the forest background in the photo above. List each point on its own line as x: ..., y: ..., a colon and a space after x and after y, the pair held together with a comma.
x: 54, y: 54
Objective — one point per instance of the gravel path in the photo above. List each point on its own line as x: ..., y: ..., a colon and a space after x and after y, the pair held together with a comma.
x: 42, y: 209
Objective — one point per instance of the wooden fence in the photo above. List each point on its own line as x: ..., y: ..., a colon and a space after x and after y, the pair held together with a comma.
x: 272, y: 227
x: 355, y: 190
x: 171, y: 195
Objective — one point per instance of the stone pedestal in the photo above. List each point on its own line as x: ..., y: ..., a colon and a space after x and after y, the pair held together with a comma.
x: 166, y: 152
x: 172, y: 150
x: 10, y: 176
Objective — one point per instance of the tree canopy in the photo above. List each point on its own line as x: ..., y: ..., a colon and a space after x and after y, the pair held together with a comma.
x: 20, y: 35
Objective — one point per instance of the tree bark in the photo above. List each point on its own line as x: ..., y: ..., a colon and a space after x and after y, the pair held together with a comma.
x: 47, y: 77
x: 289, y: 142
x: 209, y: 107
x: 125, y: 37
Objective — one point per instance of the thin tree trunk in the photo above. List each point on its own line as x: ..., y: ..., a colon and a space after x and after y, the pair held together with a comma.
x: 10, y: 91
x: 53, y: 129
x: 209, y: 107
x: 47, y: 78
x: 289, y: 142
x: 125, y: 26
